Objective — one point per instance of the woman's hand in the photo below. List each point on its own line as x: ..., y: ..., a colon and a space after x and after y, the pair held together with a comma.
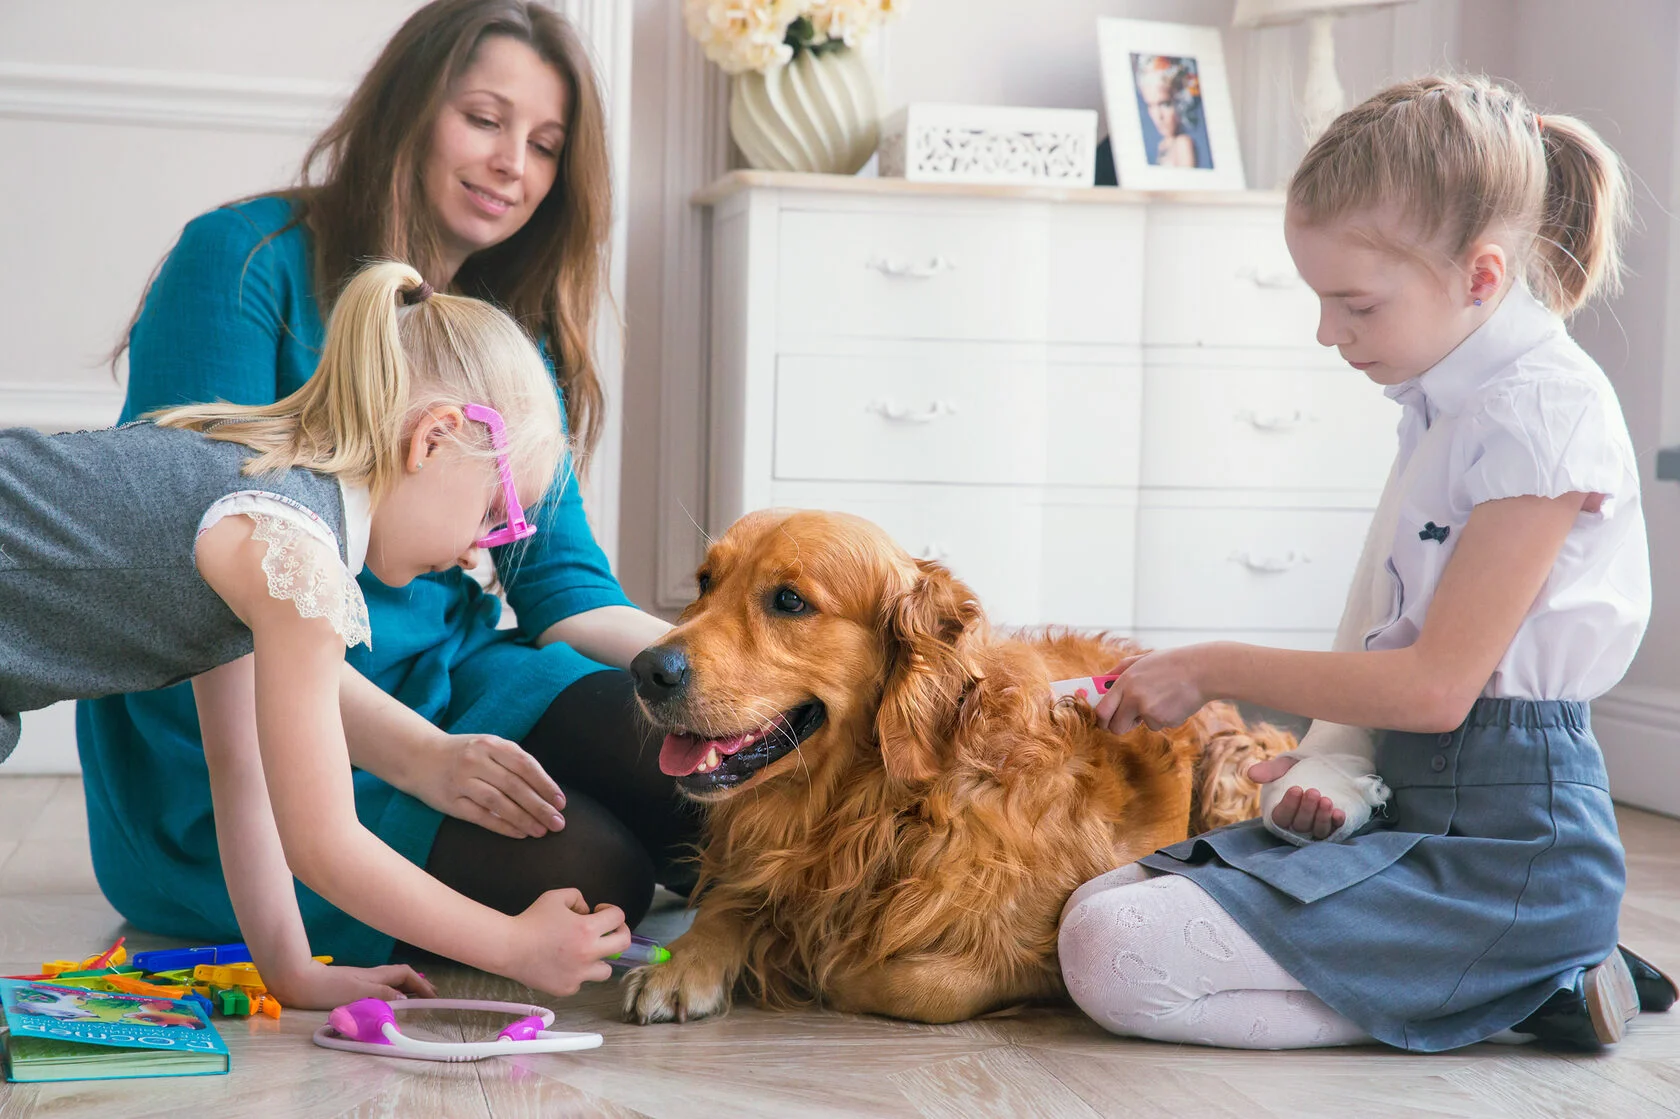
x: 1159, y: 689
x: 487, y: 781
x: 316, y: 986
x: 560, y: 945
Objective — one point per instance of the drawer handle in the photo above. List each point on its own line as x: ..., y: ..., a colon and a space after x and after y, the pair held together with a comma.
x: 1272, y: 278
x: 904, y: 270
x: 1273, y: 421
x: 932, y: 553
x: 1270, y: 565
x: 900, y: 415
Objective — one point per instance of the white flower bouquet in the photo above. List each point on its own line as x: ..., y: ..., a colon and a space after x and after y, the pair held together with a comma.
x: 744, y: 36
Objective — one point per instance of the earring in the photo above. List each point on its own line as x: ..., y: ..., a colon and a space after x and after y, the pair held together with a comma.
x: 1478, y: 303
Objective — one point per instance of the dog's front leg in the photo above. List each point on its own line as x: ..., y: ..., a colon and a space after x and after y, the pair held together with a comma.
x: 697, y: 980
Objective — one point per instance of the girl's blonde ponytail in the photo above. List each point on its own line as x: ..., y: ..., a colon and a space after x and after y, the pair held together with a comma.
x: 348, y: 418
x: 1461, y: 157
x: 1578, y: 253
x: 382, y: 366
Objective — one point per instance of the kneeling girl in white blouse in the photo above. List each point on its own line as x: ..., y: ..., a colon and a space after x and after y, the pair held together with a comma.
x: 1454, y: 875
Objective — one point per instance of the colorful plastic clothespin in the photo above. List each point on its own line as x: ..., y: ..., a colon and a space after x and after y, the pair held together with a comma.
x: 181, y: 959
x: 232, y: 975
x: 132, y: 986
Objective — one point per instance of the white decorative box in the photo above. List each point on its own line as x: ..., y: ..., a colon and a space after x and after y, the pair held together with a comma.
x: 937, y: 143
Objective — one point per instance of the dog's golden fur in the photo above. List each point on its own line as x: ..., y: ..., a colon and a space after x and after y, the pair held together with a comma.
x: 912, y: 856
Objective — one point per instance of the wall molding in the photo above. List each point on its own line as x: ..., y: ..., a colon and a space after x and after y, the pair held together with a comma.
x: 1638, y: 727
x: 696, y: 136
x: 166, y: 98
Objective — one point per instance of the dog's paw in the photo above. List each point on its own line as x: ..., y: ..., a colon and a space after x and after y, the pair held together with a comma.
x: 676, y: 991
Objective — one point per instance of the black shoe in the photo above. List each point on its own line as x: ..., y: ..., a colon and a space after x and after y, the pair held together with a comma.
x: 1590, y: 1015
x: 1656, y: 990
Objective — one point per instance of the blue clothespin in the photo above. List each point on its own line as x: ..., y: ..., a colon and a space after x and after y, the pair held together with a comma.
x: 184, y: 959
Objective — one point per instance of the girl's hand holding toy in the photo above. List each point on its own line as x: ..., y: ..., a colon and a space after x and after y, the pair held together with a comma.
x: 559, y: 945
x: 1159, y: 689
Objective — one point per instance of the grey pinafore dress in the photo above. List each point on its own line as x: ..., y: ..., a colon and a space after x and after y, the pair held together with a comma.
x: 1499, y: 880
x: 99, y: 592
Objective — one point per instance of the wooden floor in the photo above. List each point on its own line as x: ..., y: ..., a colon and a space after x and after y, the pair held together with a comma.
x: 1041, y: 1062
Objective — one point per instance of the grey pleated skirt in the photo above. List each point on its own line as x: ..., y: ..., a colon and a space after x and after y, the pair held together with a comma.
x: 1499, y: 880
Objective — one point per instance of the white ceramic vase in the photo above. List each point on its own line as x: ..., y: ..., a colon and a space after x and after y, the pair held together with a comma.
x: 818, y: 113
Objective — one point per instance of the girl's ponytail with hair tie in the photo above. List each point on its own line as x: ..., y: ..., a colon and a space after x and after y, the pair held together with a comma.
x: 411, y: 296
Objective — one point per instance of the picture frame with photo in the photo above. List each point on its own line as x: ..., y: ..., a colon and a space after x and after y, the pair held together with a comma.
x: 1168, y: 99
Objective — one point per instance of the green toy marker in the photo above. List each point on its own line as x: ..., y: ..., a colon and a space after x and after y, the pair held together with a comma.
x: 641, y: 951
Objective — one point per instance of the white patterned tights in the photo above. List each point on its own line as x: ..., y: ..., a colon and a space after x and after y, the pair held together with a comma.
x: 1152, y: 955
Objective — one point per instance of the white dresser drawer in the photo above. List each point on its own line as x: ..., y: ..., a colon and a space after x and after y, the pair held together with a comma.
x: 944, y: 416
x: 1241, y: 569
x: 1009, y: 274
x: 1224, y: 278
x: 1307, y: 425
x: 1032, y: 559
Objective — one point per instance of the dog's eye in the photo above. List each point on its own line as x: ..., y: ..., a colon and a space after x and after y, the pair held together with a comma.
x: 786, y: 600
x: 703, y: 581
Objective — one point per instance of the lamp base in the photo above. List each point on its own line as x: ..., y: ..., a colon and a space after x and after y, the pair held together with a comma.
x: 1322, y: 99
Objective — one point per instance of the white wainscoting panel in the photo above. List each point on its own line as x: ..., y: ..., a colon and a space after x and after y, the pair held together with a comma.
x: 1638, y: 727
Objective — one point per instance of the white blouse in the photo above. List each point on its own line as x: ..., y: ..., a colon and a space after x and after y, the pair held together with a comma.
x: 1518, y: 409
x: 301, y: 561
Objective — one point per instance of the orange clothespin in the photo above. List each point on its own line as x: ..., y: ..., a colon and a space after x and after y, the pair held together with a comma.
x: 267, y: 1004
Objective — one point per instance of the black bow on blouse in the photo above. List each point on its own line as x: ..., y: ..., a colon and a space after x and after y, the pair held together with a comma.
x: 1435, y: 532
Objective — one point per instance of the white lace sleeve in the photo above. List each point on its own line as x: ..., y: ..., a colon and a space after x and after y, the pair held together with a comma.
x: 300, y: 569
x: 303, y: 563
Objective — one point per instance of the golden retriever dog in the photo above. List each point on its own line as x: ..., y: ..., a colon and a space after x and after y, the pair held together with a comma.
x: 897, y: 808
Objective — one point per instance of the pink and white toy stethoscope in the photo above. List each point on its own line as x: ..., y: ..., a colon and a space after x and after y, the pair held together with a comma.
x: 370, y: 1026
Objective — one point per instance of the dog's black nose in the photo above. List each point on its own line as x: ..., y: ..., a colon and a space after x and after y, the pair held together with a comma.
x: 661, y: 672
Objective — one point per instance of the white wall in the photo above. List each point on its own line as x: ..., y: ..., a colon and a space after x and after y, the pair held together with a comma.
x: 1001, y: 52
x: 119, y: 123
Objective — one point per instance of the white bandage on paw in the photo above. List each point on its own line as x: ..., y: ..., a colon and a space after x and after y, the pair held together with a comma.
x: 1345, y: 778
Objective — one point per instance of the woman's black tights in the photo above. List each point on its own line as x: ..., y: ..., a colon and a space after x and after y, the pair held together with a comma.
x: 626, y: 827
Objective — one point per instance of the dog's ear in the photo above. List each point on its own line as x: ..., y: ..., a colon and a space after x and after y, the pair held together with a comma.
x: 930, y: 631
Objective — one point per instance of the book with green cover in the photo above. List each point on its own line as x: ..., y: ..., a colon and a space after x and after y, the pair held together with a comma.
x: 66, y: 1033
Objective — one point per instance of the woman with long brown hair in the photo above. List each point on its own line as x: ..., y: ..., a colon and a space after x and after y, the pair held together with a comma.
x: 475, y: 149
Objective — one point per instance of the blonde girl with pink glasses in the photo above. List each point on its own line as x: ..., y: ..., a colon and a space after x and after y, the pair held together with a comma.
x: 219, y: 543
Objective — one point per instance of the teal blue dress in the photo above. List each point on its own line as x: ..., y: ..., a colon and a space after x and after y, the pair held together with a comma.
x: 229, y: 320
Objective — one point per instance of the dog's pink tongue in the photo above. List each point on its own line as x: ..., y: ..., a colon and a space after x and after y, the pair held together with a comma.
x: 683, y: 753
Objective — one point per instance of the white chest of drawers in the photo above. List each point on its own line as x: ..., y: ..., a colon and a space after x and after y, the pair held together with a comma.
x: 1102, y: 409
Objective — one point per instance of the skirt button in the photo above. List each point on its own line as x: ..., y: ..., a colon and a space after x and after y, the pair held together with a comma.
x: 1437, y: 763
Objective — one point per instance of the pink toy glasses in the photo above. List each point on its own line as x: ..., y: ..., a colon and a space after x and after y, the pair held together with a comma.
x: 515, y: 527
